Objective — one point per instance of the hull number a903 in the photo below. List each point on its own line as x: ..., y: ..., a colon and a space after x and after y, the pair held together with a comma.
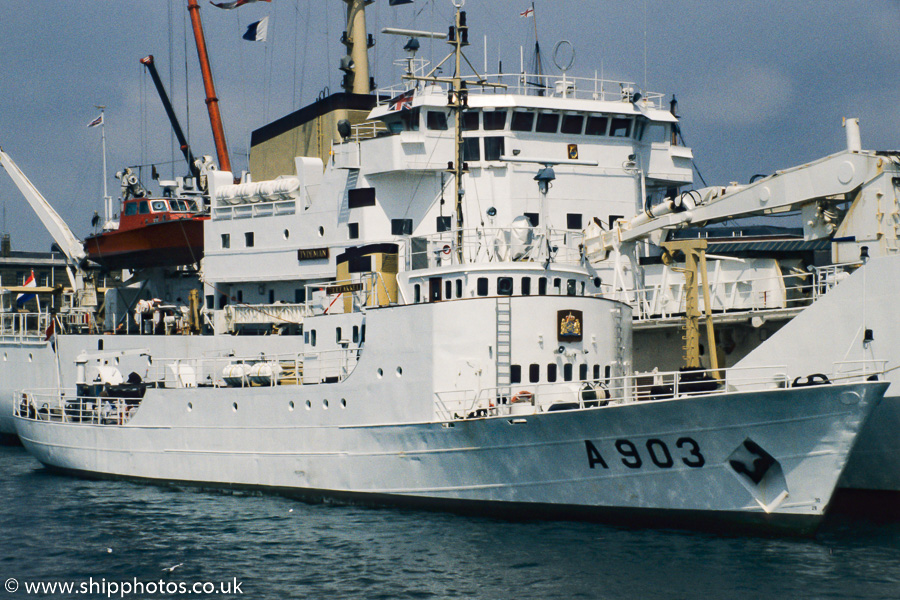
x: 654, y: 451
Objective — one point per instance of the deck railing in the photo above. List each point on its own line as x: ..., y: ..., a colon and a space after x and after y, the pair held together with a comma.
x: 529, y: 399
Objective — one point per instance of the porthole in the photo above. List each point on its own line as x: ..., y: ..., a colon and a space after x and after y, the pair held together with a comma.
x: 190, y: 407
x: 30, y: 357
x: 234, y: 407
x: 308, y: 405
x: 321, y: 231
x: 287, y: 234
x: 5, y: 357
x: 380, y: 373
x: 325, y: 404
x: 399, y: 371
x: 291, y: 406
x: 343, y: 403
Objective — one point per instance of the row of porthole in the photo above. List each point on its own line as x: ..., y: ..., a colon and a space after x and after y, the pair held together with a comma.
x: 30, y: 357
x: 380, y: 372
x: 291, y: 406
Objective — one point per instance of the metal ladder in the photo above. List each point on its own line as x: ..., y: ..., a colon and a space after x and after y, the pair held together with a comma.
x: 504, y: 347
x: 352, y: 182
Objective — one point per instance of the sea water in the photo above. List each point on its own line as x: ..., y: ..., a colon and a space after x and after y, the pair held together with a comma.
x: 121, y: 540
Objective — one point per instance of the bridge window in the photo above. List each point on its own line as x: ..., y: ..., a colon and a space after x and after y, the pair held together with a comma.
x: 470, y: 120
x: 572, y: 124
x: 522, y: 121
x: 356, y: 334
x: 436, y: 120
x: 471, y: 150
x: 272, y: 296
x: 557, y: 285
x: 482, y: 286
x: 534, y: 373
x: 515, y: 373
x: 248, y: 239
x: 582, y: 371
x: 401, y: 226
x: 567, y: 372
x: 547, y: 123
x: 493, y: 148
x: 570, y: 287
x: 226, y: 240
x: 542, y: 286
x: 504, y: 286
x: 459, y: 288
x: 417, y: 293
x: 494, y: 120
x: 573, y: 221
x: 448, y: 289
x: 144, y: 208
x: 131, y: 209
x: 620, y: 127
x: 596, y: 126
x: 596, y: 372
x: 551, y: 372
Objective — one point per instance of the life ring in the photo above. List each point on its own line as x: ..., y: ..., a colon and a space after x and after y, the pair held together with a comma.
x: 446, y: 249
x: 523, y: 396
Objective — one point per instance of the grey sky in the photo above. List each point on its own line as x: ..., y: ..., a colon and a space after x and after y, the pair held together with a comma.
x: 762, y: 85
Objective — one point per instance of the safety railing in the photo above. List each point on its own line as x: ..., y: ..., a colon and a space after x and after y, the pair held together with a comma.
x: 347, y: 295
x: 555, y: 86
x: 24, y: 327
x: 529, y: 399
x: 66, y: 406
x: 791, y: 292
x: 489, y: 245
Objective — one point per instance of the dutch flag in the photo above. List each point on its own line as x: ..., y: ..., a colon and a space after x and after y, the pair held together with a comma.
x: 24, y: 297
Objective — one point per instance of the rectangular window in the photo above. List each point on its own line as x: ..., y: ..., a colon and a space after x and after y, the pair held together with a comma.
x: 522, y: 121
x: 401, y: 227
x: 493, y: 148
x: 471, y: 150
x: 299, y: 295
x: 131, y: 209
x: 434, y: 289
x: 210, y: 302
x: 470, y: 120
x: 459, y: 288
x: 360, y: 197
x: 596, y: 126
x: 534, y: 373
x: 436, y: 120
x: 542, y: 286
x: 248, y: 239
x: 639, y: 129
x: 547, y: 123
x: 526, y: 286
x: 240, y: 295
x: 337, y: 335
x: 572, y: 124
x: 557, y: 284
x: 482, y: 286
x: 573, y: 221
x: 567, y: 372
x: 417, y: 293
x: 356, y: 334
x: 223, y: 301
x: 312, y: 337
x: 583, y: 371
x: 353, y: 231
x: 494, y: 120
x: 448, y: 289
x: 533, y: 218
x: 570, y: 287
x: 613, y: 219
x: 144, y: 208
x: 515, y: 373
x: 226, y: 240
x: 443, y: 224
x: 607, y: 371
x: 596, y: 372
x: 271, y: 296
x: 620, y: 127
x: 551, y: 372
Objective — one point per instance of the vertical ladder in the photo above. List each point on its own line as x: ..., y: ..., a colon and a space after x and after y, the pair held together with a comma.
x: 352, y: 182
x: 504, y: 347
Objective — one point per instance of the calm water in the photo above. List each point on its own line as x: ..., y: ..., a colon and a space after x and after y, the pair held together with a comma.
x: 56, y: 528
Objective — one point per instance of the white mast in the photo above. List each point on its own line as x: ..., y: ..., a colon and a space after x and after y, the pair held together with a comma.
x: 107, y: 200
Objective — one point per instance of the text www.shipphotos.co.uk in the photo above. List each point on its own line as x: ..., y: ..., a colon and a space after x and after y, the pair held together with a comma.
x: 122, y: 589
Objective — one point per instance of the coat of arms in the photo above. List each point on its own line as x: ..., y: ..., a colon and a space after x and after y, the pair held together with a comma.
x: 570, y: 325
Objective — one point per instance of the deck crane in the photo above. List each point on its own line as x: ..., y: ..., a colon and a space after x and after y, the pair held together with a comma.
x: 851, y: 197
x: 69, y: 244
